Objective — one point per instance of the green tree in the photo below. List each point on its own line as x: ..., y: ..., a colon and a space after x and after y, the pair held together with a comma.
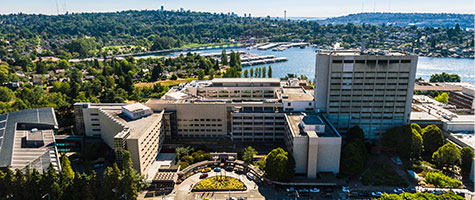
x: 264, y: 72
x: 63, y: 64
x: 156, y: 71
x: 6, y: 94
x: 355, y: 133
x: 183, y: 151
x: 111, y: 182
x: 251, y: 74
x: 201, y: 74
x: 467, y: 159
x: 211, y: 74
x: 269, y: 72
x: 352, y: 159
x: 224, y: 57
x: 447, y: 156
x: 416, y: 127
x: 432, y: 139
x: 66, y: 167
x: 175, y: 77
x: 249, y: 154
x: 443, y: 97
x: 131, y: 180
x: 280, y: 165
x: 407, y: 142
x: 246, y: 73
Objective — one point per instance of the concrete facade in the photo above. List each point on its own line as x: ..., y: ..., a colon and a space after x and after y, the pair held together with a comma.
x: 370, y: 89
x: 142, y: 136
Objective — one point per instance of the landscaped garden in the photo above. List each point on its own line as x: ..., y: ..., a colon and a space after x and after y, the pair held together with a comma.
x: 382, y: 174
x: 219, y: 183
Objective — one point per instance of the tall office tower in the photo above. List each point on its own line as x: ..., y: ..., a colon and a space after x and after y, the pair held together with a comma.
x: 372, y: 89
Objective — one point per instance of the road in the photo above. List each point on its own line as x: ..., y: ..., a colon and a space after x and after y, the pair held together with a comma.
x: 183, y: 191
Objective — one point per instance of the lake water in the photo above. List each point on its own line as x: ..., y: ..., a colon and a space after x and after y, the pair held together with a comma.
x: 302, y: 62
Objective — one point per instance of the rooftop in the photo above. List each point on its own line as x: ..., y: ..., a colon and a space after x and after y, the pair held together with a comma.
x: 15, y: 126
x: 135, y: 107
x: 296, y: 94
x: 294, y: 121
x: 137, y: 127
x: 245, y: 80
x: 356, y: 52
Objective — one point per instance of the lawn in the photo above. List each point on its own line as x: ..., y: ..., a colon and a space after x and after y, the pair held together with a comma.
x: 220, y: 183
x: 165, y: 82
x: 382, y: 174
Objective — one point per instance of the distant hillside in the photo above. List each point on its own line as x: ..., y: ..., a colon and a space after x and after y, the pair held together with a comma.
x: 406, y: 19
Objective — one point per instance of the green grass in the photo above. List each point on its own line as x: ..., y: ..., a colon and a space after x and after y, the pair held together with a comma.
x: 381, y: 174
x: 220, y: 183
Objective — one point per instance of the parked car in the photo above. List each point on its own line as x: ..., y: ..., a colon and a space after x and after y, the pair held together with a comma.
x: 217, y: 169
x: 345, y: 189
x: 231, y: 198
x: 208, y: 169
x: 229, y: 168
x: 364, y: 194
x: 291, y: 189
x: 398, y: 191
x: 203, y: 175
x: 303, y: 190
x: 239, y: 171
x: 250, y: 176
x: 376, y: 194
x: 314, y: 190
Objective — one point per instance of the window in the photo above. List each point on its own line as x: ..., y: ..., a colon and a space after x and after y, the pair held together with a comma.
x: 94, y: 114
x: 289, y: 104
x: 96, y: 129
x: 337, y: 61
x: 95, y: 124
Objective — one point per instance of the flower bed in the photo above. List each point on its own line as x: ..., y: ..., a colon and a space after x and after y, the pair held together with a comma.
x: 219, y: 183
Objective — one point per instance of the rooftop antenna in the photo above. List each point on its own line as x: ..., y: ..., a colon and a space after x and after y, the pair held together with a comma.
x: 57, y: 8
x: 374, y: 5
x: 285, y: 14
x: 362, y: 6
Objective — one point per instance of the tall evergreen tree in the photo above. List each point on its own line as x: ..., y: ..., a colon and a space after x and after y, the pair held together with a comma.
x: 251, y: 72
x: 246, y: 73
x: 264, y: 72
x: 224, y: 57
x: 269, y: 72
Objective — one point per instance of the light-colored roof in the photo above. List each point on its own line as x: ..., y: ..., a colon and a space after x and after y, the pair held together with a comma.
x: 296, y: 94
x: 135, y: 107
x: 247, y: 80
x: 422, y: 116
x: 356, y: 52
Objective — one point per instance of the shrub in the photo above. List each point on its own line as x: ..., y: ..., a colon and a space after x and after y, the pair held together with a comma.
x: 438, y: 179
x: 220, y: 183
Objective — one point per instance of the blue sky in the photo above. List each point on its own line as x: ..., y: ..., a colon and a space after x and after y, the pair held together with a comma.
x: 274, y: 8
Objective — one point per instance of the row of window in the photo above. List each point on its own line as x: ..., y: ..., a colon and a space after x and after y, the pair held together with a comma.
x: 199, y: 120
x: 372, y: 61
x: 200, y: 130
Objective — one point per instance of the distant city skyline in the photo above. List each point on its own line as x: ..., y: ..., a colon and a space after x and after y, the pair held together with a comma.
x: 275, y: 8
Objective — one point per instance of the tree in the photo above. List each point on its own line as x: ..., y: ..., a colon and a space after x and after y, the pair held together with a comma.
x: 6, y: 94
x: 443, y: 98
x: 246, y: 73
x: 251, y: 74
x: 63, y: 64
x: 280, y: 165
x: 129, y: 184
x: 211, y: 74
x: 66, y: 167
x: 432, y: 139
x: 41, y: 67
x: 355, y: 133
x: 416, y: 127
x: 352, y: 159
x: 249, y: 154
x: 467, y: 159
x: 224, y: 57
x: 407, y: 142
x: 447, y: 156
x: 156, y: 71
x: 183, y: 151
x: 175, y: 77
x: 264, y: 72
x: 201, y: 74
x: 269, y: 72
x: 111, y: 182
